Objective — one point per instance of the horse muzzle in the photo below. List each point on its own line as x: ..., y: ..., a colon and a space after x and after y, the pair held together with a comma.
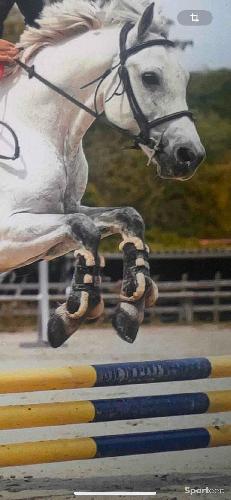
x: 182, y: 163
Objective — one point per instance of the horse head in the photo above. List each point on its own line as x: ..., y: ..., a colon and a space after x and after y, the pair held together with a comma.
x: 146, y: 95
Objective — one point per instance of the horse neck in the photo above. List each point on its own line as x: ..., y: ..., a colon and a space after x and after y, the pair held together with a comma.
x: 72, y: 64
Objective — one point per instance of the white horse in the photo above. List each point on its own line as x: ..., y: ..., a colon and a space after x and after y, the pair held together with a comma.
x: 41, y: 216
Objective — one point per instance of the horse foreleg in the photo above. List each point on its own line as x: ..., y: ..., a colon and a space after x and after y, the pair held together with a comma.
x: 138, y: 289
x: 84, y: 300
x: 27, y: 238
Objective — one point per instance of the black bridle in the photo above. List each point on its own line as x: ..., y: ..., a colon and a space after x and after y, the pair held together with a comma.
x: 144, y: 124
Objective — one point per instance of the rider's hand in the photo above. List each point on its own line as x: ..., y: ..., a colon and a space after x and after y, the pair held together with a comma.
x: 8, y: 51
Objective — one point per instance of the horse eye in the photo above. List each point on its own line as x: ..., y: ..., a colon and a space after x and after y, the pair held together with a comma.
x: 151, y: 78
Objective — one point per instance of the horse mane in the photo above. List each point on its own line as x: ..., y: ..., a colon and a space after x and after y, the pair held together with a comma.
x: 62, y: 19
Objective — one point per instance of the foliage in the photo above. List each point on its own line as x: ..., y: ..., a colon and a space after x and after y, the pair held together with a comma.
x: 14, y: 25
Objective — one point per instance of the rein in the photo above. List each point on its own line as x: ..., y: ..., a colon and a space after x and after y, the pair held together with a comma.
x: 16, y: 143
x: 145, y: 126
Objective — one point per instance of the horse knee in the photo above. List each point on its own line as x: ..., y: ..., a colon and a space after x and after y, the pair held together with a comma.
x: 84, y: 230
x: 133, y: 221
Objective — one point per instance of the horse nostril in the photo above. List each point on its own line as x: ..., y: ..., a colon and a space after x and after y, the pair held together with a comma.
x: 185, y: 155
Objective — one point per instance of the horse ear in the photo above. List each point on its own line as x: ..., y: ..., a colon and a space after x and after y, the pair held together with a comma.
x: 146, y: 21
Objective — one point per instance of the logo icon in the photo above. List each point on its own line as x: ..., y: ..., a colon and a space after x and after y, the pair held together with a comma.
x: 194, y: 17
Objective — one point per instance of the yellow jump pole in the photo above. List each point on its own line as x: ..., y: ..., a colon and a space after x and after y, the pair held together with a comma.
x: 69, y: 377
x: 46, y: 414
x: 38, y: 452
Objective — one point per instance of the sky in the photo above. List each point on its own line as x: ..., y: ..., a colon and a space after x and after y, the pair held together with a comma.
x: 212, y: 43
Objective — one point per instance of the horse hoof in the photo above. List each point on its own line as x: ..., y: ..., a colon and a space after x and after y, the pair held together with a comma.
x: 125, y: 325
x: 61, y: 327
x: 56, y: 331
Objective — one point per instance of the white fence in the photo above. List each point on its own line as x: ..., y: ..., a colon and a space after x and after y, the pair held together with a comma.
x: 183, y: 300
x: 21, y: 293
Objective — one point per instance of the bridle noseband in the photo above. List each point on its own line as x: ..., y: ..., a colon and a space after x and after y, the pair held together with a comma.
x: 144, y: 124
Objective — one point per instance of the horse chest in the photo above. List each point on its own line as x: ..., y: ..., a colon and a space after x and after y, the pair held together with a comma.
x: 76, y: 180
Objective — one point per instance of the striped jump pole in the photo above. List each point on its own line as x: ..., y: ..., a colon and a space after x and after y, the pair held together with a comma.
x: 103, y: 410
x: 116, y: 374
x: 107, y: 410
x: 113, y: 446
